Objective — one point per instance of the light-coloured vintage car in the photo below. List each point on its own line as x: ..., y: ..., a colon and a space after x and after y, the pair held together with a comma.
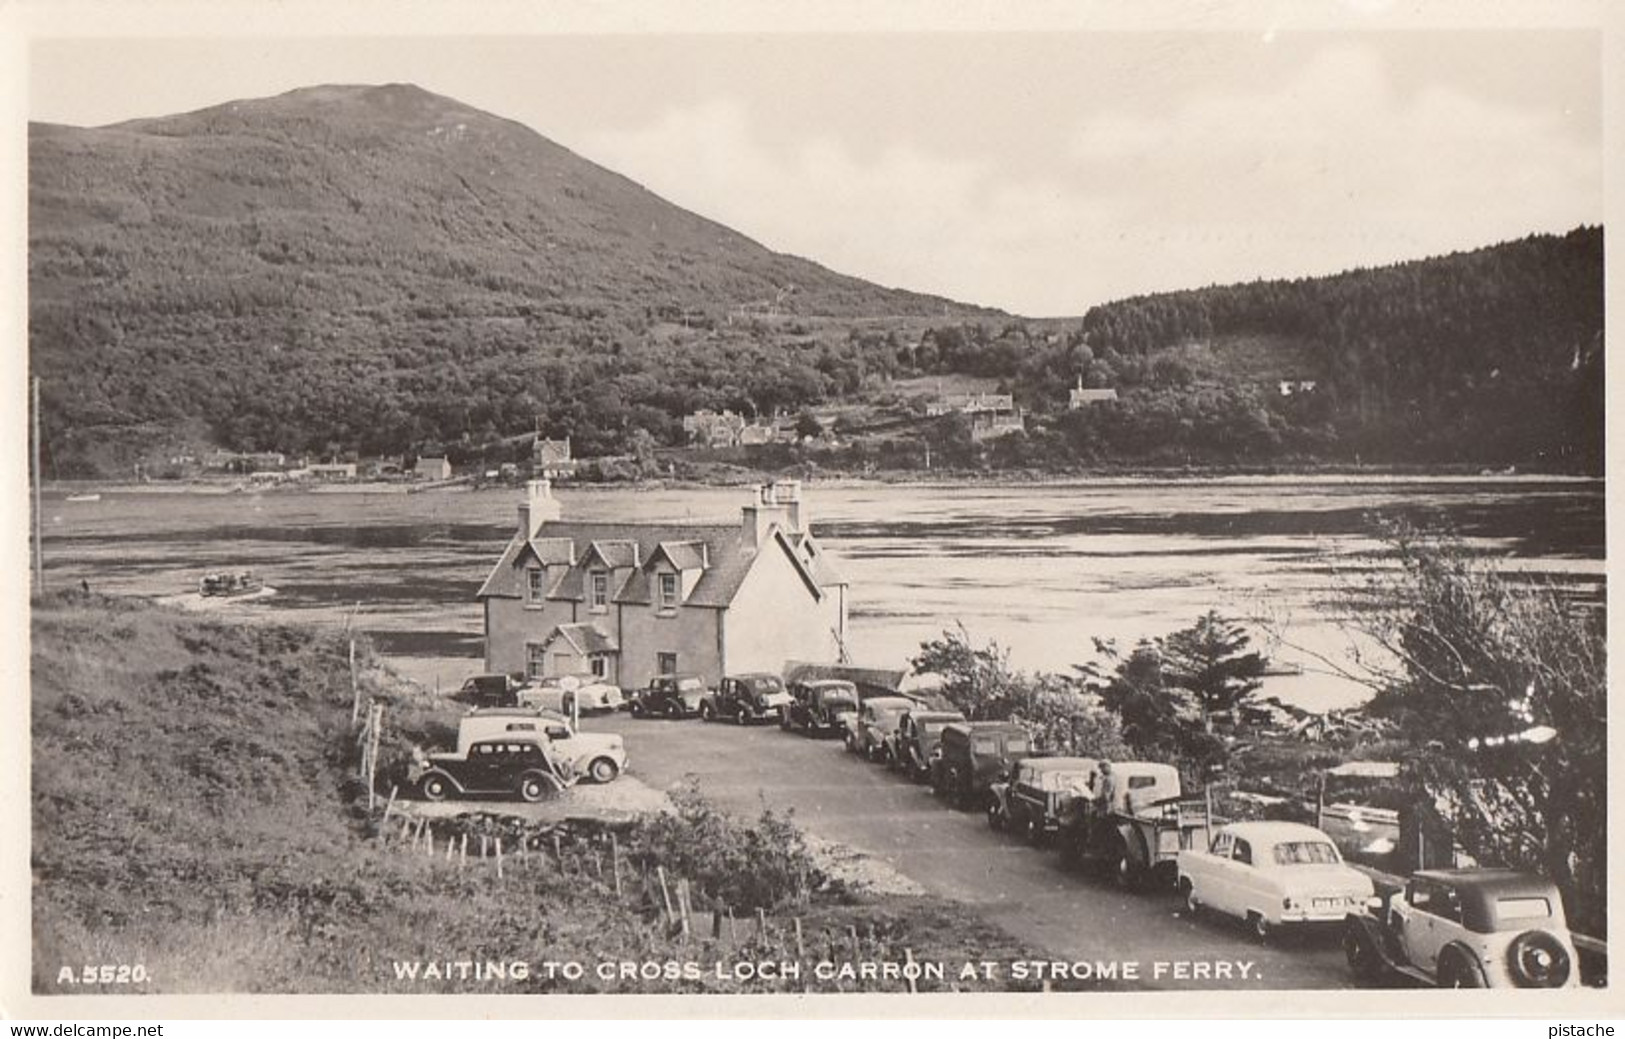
x: 1270, y: 874
x: 601, y: 756
x: 556, y: 693
x: 1467, y: 928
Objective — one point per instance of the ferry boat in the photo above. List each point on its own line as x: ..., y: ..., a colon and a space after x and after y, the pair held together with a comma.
x: 243, y: 582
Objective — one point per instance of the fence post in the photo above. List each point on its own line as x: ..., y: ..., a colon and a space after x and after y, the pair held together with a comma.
x: 615, y: 862
x: 376, y: 719
x: 665, y: 893
x: 761, y: 924
x: 716, y: 925
x: 499, y: 858
x: 389, y: 805
x: 451, y: 847
x: 462, y: 852
x: 684, y: 906
x: 355, y: 686
x: 733, y: 927
x: 908, y: 975
x: 801, y: 948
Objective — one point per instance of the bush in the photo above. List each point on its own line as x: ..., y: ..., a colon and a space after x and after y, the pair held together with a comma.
x: 765, y: 865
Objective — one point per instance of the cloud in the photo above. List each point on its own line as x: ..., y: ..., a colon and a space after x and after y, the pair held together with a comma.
x: 1330, y: 168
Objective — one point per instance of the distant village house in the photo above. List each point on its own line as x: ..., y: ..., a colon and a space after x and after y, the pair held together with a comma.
x: 971, y: 403
x: 1292, y: 386
x: 432, y: 469
x: 628, y: 601
x: 553, y: 459
x: 1078, y: 397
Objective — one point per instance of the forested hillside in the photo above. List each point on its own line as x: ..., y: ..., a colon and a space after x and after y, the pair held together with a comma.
x: 375, y: 267
x: 379, y: 270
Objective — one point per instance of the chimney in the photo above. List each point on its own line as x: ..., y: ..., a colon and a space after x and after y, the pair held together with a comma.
x: 777, y: 505
x: 539, y: 507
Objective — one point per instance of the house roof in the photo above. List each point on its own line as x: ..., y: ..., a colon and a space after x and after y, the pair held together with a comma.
x: 715, y: 549
x: 586, y: 638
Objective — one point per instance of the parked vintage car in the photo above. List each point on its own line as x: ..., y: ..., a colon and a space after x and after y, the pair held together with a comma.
x: 1135, y: 826
x: 971, y: 756
x: 488, y: 691
x: 747, y: 698
x: 1466, y: 928
x: 600, y: 756
x: 911, y: 747
x: 874, y: 722
x: 524, y: 766
x: 1031, y: 800
x: 670, y: 696
x: 562, y: 693
x: 1270, y: 874
x: 817, y: 705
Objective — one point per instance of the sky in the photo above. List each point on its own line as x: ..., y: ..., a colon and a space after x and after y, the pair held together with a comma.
x: 1040, y: 172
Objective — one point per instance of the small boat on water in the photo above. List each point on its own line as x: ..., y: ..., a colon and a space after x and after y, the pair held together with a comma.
x: 243, y: 582
x: 85, y: 496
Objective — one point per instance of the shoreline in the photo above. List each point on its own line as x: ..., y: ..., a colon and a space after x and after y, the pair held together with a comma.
x: 1137, y: 478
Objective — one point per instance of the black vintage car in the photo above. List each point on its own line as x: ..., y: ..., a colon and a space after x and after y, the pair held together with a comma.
x: 489, y: 691
x: 511, y: 764
x: 972, y: 756
x: 1032, y: 800
x: 817, y: 706
x: 746, y: 698
x: 670, y: 696
x: 910, y: 748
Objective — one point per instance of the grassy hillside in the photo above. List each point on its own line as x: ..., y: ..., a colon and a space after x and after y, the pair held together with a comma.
x: 380, y: 268
x: 194, y: 813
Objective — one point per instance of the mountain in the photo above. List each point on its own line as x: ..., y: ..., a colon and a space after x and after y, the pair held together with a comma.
x: 374, y: 267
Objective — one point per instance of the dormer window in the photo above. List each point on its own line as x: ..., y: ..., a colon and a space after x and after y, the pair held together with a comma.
x: 535, y: 586
x: 668, y: 593
x: 598, y: 591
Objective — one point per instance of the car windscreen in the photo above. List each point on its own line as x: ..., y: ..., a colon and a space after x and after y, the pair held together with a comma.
x: 1305, y: 853
x: 689, y: 685
x: 1015, y: 744
x: 984, y: 745
x: 1063, y: 782
x: 765, y: 685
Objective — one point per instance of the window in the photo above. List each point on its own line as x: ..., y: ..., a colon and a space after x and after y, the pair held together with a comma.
x: 535, y: 585
x: 1243, y: 852
x: 1305, y: 853
x: 598, y: 592
x: 599, y: 664
x: 1222, y: 844
x: 1523, y: 908
x: 668, y: 663
x: 668, y: 592
x: 535, y: 660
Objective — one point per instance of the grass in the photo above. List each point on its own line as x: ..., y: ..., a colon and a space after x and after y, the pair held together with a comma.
x: 195, y: 811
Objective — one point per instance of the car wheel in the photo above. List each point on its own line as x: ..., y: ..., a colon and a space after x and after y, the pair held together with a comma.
x: 603, y: 770
x: 1456, y: 972
x: 1259, y: 926
x: 851, y: 744
x: 636, y: 709
x: 533, y: 786
x: 707, y: 713
x: 1035, y: 833
x: 743, y: 716
x: 434, y: 788
x: 784, y: 720
x: 1193, y: 907
x: 1363, y: 960
x: 1127, y: 872
x: 995, y: 817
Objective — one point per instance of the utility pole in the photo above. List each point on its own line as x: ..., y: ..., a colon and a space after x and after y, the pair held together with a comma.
x: 39, y: 551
